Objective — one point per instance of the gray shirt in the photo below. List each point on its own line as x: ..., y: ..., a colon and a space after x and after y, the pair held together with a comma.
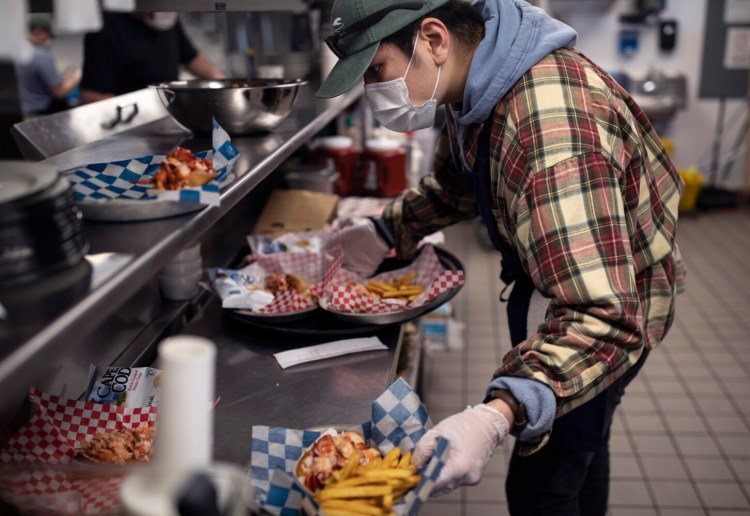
x: 36, y: 80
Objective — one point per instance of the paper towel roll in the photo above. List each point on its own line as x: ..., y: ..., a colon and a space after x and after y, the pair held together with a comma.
x: 119, y: 5
x: 184, y: 426
x: 13, y: 42
x: 77, y: 16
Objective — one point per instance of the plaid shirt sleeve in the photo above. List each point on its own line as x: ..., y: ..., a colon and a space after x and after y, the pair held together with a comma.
x: 436, y: 203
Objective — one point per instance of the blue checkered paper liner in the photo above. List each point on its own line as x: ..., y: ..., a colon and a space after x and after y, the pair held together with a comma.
x: 398, y: 419
x: 119, y: 180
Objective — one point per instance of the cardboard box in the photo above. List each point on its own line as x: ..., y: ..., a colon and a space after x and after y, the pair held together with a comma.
x: 289, y: 211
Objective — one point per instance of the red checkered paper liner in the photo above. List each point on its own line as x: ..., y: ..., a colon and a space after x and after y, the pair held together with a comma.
x: 428, y: 272
x: 51, y: 436
x: 306, y: 266
x: 49, y: 491
x: 334, y: 273
x: 288, y: 302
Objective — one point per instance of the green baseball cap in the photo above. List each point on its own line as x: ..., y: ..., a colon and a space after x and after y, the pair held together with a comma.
x: 358, y: 26
x: 40, y: 20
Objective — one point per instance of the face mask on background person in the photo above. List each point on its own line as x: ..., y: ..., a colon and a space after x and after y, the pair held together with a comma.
x: 161, y: 20
x: 392, y: 107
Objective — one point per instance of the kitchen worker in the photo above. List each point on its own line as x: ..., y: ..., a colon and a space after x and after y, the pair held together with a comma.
x: 578, y: 196
x: 133, y: 50
x: 42, y: 88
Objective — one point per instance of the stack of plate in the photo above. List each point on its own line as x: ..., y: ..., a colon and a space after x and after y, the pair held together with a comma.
x: 40, y: 223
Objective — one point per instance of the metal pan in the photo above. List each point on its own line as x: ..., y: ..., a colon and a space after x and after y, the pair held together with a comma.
x: 121, y: 210
x: 262, y: 318
x: 317, y: 323
x: 127, y: 210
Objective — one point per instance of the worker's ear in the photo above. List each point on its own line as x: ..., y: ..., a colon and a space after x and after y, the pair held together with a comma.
x: 437, y: 36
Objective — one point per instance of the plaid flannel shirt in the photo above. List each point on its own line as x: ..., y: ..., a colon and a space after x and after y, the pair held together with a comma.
x: 584, y: 191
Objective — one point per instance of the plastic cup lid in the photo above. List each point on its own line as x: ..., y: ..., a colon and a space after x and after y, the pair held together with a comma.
x: 335, y: 142
x: 382, y: 144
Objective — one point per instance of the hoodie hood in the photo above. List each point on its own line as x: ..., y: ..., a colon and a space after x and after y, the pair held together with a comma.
x: 517, y: 36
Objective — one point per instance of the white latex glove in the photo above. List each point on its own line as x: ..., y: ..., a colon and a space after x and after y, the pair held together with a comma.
x: 363, y: 248
x: 473, y: 436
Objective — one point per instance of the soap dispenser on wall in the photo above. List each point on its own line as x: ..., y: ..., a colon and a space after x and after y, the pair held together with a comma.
x: 667, y: 35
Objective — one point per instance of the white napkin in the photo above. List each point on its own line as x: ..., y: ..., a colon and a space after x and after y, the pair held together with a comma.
x: 327, y: 350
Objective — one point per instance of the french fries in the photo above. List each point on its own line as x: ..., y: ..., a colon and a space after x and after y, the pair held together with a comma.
x: 369, y: 489
x: 399, y: 288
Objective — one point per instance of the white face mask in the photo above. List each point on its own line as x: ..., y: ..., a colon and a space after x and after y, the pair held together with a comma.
x: 161, y: 20
x: 392, y: 107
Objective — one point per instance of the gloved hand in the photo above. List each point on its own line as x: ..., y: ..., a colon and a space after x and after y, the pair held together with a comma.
x: 363, y: 248
x: 473, y: 436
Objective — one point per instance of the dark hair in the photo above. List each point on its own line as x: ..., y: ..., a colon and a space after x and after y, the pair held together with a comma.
x: 463, y: 21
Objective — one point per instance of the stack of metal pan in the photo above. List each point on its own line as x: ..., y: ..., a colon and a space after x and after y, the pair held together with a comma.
x: 40, y: 223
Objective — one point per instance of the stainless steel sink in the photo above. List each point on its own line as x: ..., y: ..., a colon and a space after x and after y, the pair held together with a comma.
x: 660, y: 94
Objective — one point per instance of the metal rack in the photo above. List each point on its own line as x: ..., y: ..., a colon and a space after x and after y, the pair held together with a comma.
x: 46, y: 6
x: 57, y: 355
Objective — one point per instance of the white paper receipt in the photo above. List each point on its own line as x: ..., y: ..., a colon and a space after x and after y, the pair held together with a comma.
x: 328, y: 350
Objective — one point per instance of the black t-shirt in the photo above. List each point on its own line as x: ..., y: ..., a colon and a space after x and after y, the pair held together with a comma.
x: 127, y: 55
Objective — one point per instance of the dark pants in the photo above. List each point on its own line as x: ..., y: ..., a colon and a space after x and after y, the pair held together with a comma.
x: 570, y: 475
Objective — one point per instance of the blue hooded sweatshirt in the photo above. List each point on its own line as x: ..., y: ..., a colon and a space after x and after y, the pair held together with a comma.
x: 517, y: 36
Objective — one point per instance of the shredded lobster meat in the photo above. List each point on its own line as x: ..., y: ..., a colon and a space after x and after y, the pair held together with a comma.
x: 276, y: 283
x: 120, y: 446
x: 330, y: 453
x: 181, y: 169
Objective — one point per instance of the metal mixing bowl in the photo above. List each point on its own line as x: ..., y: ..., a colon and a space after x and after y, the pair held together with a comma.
x: 241, y: 106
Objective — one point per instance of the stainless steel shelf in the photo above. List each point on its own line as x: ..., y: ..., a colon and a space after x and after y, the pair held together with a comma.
x: 222, y: 5
x: 46, y: 6
x: 153, y: 243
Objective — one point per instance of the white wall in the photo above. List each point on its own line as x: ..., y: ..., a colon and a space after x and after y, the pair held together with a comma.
x: 692, y: 129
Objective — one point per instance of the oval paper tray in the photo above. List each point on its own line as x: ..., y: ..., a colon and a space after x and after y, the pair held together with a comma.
x: 449, y: 262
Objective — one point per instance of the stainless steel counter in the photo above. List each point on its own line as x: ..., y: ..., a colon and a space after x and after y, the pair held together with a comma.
x: 120, y: 320
x: 254, y: 390
x: 67, y: 338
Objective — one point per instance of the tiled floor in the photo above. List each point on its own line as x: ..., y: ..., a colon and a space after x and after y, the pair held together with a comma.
x: 681, y: 439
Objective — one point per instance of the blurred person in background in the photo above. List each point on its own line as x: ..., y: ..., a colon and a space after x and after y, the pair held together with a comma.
x: 42, y: 88
x: 578, y: 196
x: 133, y: 50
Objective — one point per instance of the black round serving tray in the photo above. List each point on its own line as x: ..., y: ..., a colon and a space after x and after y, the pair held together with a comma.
x: 40, y: 226
x: 57, y: 227
x: 50, y: 200
x: 316, y: 323
x: 320, y: 323
x: 37, y: 263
